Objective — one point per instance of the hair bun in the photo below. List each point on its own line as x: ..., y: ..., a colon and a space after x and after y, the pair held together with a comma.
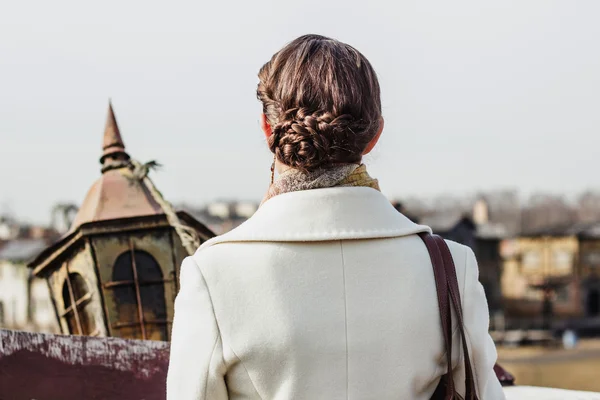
x: 312, y: 140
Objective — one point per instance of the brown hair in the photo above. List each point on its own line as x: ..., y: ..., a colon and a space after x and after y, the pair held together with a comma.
x: 322, y: 100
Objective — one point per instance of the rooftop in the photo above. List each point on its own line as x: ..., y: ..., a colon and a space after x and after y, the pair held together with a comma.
x: 443, y: 222
x: 117, y: 193
x: 589, y: 230
x: 22, y: 250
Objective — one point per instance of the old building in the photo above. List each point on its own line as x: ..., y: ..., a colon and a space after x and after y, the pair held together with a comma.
x: 9, y: 229
x: 25, y: 302
x: 559, y: 264
x: 223, y: 216
x: 532, y: 262
x: 115, y: 273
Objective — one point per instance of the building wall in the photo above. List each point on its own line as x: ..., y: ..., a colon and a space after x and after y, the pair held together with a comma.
x: 43, y: 314
x: 16, y: 300
x: 531, y: 260
x: 81, y: 263
x: 589, y: 258
x: 13, y: 295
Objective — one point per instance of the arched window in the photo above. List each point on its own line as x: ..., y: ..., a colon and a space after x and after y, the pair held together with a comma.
x: 76, y: 297
x: 139, y: 294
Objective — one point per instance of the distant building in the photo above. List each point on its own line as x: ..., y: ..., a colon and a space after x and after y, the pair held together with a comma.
x: 532, y: 262
x: 25, y: 302
x: 563, y: 259
x: 223, y: 216
x: 9, y: 229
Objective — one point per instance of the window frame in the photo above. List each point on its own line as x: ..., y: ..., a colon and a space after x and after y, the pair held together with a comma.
x: 76, y: 306
x: 562, y: 260
x: 136, y: 283
x: 531, y: 261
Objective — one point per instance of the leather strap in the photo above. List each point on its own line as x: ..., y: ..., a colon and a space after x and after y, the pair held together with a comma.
x: 454, y: 291
x: 448, y: 294
x: 441, y: 286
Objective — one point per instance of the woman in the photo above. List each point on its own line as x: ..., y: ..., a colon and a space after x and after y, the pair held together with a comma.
x: 326, y: 292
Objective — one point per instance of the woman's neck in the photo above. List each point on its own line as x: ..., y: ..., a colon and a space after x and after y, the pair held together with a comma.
x: 281, y: 167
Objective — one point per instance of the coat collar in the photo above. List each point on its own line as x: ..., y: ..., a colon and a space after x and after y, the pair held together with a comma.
x: 322, y: 215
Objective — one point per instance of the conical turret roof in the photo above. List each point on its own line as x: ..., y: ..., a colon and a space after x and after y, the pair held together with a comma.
x: 112, y: 142
x: 118, y: 193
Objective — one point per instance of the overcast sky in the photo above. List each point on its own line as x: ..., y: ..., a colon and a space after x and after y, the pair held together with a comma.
x: 476, y: 95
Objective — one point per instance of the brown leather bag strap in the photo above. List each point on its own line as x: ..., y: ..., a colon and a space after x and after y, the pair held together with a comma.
x: 454, y: 292
x: 505, y: 377
x: 443, y: 297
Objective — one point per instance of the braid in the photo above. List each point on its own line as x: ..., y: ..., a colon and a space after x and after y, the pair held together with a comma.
x: 310, y: 141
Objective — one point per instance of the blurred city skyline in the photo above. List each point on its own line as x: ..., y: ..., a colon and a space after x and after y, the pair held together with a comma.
x: 476, y: 97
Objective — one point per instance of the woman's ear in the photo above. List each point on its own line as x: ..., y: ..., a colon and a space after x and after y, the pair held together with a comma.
x: 265, y: 126
x: 375, y: 139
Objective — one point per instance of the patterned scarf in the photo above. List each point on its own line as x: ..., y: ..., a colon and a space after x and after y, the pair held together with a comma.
x: 293, y: 180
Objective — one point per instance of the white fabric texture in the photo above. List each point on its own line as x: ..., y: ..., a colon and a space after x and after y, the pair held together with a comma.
x: 322, y: 294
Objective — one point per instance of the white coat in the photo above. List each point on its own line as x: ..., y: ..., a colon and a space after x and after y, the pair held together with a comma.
x: 322, y: 294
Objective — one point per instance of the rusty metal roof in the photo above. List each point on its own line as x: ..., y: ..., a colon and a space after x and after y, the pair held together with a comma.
x: 117, y: 194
